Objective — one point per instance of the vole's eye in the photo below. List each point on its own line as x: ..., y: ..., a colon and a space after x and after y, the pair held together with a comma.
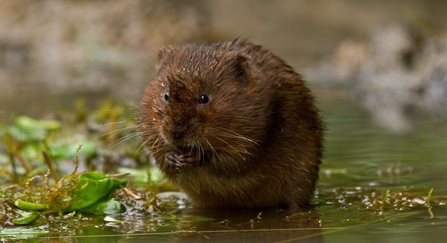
x: 203, y: 99
x: 167, y: 96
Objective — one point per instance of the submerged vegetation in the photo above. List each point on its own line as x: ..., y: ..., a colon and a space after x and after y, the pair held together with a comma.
x: 89, y: 166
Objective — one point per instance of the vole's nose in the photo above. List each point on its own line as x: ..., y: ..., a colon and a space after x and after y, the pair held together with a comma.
x: 178, y: 131
x: 177, y: 134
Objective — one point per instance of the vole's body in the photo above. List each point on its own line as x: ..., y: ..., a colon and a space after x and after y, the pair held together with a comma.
x: 233, y: 126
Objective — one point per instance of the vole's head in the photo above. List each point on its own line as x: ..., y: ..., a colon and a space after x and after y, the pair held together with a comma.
x: 202, y: 97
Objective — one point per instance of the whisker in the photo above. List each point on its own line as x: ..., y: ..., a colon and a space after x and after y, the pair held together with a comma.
x: 231, y: 146
x: 138, y: 150
x: 213, y: 151
x: 153, y: 69
x: 108, y: 124
x: 232, y: 134
x: 209, y: 144
x: 157, y: 143
x: 156, y: 109
x: 202, y: 152
x: 123, y: 139
x: 115, y: 131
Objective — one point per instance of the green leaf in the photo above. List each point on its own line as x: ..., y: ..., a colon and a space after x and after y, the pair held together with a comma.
x: 26, y: 134
x: 27, y: 122
x: 30, y: 206
x: 138, y: 177
x: 23, y: 232
x: 94, y: 187
x: 31, y: 151
x: 66, y: 151
x: 110, y: 206
x: 156, y: 175
x: 28, y: 129
x: 3, y: 159
x: 143, y: 177
x: 26, y: 217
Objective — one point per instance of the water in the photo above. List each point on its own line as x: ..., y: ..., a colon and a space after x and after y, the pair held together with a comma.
x: 373, y: 159
x: 361, y: 163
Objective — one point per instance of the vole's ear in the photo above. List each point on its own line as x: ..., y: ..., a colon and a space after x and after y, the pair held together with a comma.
x: 241, y: 69
x: 164, y: 52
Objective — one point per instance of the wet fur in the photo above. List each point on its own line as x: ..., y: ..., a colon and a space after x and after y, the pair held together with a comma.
x: 259, y: 137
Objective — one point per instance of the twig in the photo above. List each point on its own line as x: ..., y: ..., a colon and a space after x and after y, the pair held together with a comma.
x: 49, y: 163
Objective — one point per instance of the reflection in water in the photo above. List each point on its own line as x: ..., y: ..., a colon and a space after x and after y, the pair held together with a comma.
x: 380, y: 181
x: 358, y: 153
x: 262, y: 225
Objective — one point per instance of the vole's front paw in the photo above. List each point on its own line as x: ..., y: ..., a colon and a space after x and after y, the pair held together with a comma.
x: 178, y: 159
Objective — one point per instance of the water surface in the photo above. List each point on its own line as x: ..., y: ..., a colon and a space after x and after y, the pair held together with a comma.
x: 361, y: 163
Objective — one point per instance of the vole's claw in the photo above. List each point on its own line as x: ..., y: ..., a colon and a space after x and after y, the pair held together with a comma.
x: 177, y: 159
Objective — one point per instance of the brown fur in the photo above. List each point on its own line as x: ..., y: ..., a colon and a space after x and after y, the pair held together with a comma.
x: 256, y: 143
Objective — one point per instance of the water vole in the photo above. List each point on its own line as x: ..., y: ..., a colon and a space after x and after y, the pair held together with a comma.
x: 233, y: 126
